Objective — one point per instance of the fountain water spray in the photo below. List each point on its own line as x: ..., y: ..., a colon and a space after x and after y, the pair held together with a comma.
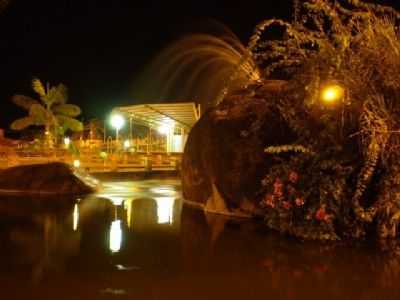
x: 199, y: 67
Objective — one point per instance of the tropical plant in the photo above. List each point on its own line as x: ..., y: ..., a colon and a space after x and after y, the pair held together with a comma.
x: 351, y: 182
x: 51, y: 111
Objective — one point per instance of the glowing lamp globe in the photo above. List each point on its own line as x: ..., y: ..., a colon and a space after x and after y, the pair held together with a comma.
x: 163, y: 129
x: 332, y: 93
x: 127, y: 144
x: 117, y: 121
x: 76, y: 163
x: 67, y: 141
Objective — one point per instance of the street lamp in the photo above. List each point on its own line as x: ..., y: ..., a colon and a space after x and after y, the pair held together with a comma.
x: 332, y: 93
x: 76, y: 163
x: 67, y: 142
x: 117, y: 122
x: 127, y: 144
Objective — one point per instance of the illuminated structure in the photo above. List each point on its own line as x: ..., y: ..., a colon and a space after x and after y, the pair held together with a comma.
x: 169, y: 122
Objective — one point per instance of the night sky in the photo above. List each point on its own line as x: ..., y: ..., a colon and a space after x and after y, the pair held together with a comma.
x: 99, y: 49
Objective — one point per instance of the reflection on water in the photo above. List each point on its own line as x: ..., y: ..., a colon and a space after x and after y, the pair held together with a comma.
x: 165, y: 209
x: 75, y: 217
x: 136, y: 237
x: 115, y: 236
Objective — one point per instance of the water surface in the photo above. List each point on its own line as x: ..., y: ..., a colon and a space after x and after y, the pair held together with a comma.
x: 135, y: 240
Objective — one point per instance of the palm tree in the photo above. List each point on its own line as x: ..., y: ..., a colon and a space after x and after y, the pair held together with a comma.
x: 51, y: 111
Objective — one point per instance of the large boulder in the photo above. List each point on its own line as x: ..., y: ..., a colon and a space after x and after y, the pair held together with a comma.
x: 224, y: 159
x: 46, y: 179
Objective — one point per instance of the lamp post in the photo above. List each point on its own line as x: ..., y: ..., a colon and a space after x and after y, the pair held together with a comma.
x: 67, y: 142
x: 167, y: 129
x: 332, y: 93
x: 117, y: 122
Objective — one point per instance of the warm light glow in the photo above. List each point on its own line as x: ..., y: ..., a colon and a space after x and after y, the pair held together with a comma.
x: 115, y: 236
x: 332, y: 93
x: 77, y: 163
x: 164, y: 191
x: 117, y: 121
x: 127, y: 144
x: 67, y: 141
x: 128, y: 208
x: 178, y: 145
x: 165, y: 209
x: 116, y: 200
x: 75, y: 217
x: 164, y: 129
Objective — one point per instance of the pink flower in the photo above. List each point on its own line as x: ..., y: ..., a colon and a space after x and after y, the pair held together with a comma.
x: 291, y: 190
x: 278, y: 183
x: 264, y: 182
x: 269, y: 200
x: 278, y: 193
x: 293, y: 177
x: 299, y: 201
x: 278, y: 188
x: 286, y: 205
x: 321, y: 215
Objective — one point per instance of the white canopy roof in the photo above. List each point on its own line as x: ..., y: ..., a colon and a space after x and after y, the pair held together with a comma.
x: 183, y: 114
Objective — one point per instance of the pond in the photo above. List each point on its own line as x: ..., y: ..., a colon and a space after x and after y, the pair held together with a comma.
x: 137, y: 240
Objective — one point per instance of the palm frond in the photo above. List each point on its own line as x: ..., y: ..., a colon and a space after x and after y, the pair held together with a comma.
x: 61, y: 96
x: 38, y: 87
x: 22, y: 123
x: 69, y: 110
x: 24, y: 101
x: 69, y: 123
x: 38, y: 114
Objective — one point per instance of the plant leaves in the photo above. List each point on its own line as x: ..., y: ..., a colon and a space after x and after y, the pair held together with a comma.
x: 22, y: 123
x: 69, y: 123
x: 69, y: 110
x: 38, y: 87
x: 38, y: 114
x: 24, y: 101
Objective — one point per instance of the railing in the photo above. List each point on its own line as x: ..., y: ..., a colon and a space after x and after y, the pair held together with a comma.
x: 95, y: 160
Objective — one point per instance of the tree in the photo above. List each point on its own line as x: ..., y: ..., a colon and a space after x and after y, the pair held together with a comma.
x: 51, y: 111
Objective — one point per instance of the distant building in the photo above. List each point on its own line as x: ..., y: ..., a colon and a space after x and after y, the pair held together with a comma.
x: 168, y: 125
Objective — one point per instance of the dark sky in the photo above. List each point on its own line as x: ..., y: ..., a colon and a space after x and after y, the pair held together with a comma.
x: 99, y: 48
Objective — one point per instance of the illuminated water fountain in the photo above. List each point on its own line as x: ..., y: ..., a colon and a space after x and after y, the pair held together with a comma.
x: 198, y: 67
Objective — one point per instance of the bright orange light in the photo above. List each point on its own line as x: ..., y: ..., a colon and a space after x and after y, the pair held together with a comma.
x: 332, y: 93
x: 76, y: 163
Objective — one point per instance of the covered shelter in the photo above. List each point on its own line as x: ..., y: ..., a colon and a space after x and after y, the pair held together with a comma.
x: 170, y: 122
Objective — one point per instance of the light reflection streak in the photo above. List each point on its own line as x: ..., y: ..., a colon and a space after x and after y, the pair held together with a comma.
x: 75, y: 216
x: 165, y: 209
x: 117, y: 201
x: 128, y: 208
x: 164, y: 190
x: 115, y: 236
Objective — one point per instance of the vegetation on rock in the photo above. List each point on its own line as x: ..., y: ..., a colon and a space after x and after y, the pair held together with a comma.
x: 329, y: 169
x: 349, y: 180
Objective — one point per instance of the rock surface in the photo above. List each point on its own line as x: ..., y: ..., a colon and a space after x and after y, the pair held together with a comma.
x: 52, y: 178
x: 224, y: 160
